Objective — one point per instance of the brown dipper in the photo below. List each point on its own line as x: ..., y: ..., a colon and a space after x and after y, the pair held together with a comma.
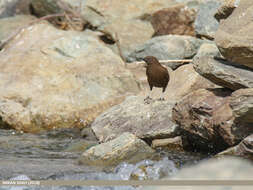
x: 157, y: 75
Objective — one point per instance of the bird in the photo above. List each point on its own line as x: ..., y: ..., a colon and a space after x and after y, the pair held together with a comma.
x: 157, y: 75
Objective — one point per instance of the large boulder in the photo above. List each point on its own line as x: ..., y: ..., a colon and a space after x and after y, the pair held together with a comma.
x: 205, y: 24
x: 167, y: 47
x: 178, y: 19
x: 234, y: 37
x: 146, y: 121
x: 126, y: 147
x: 52, y: 79
x: 224, y: 73
x: 207, y: 120
x: 12, y: 25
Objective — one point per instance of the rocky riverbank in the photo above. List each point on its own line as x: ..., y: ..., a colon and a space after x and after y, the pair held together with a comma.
x: 73, y: 65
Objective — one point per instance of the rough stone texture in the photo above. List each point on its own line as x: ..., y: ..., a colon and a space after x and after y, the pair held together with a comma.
x: 242, y: 105
x: 208, y: 49
x: 170, y: 144
x: 178, y: 87
x: 178, y: 20
x: 12, y: 24
x: 130, y: 33
x: 244, y: 149
x: 46, y: 7
x: 10, y: 8
x: 126, y: 147
x: 206, y: 119
x: 167, y: 47
x: 56, y: 79
x: 224, y: 73
x: 234, y: 37
x: 129, y: 19
x: 205, y: 24
x: 228, y: 168
x: 148, y: 121
x: 226, y: 9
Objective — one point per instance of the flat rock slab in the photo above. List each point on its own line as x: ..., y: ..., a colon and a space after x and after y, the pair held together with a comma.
x: 126, y: 147
x: 147, y: 121
x: 224, y: 73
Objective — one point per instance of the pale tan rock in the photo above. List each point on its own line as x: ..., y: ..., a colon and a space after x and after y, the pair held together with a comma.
x: 126, y: 147
x: 57, y: 79
x: 12, y: 24
x: 171, y: 144
x: 234, y: 37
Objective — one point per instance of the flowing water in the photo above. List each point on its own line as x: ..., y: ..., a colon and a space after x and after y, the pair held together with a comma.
x: 54, y: 154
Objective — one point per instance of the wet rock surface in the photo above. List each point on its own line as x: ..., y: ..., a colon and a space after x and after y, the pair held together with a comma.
x: 126, y: 147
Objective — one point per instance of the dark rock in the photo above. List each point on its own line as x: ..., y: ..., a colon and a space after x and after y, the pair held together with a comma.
x: 226, y: 9
x: 174, y: 20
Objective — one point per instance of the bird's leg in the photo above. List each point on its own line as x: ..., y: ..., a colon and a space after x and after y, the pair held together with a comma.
x: 162, y: 97
x: 148, y: 98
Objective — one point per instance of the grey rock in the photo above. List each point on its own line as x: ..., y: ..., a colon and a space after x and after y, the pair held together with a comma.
x: 45, y: 7
x: 167, y: 47
x: 126, y: 147
x: 224, y: 73
x: 133, y: 115
x: 208, y: 49
x: 7, y: 8
x: 205, y: 24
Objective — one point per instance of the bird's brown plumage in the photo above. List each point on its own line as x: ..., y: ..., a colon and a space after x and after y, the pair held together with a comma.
x: 157, y: 75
